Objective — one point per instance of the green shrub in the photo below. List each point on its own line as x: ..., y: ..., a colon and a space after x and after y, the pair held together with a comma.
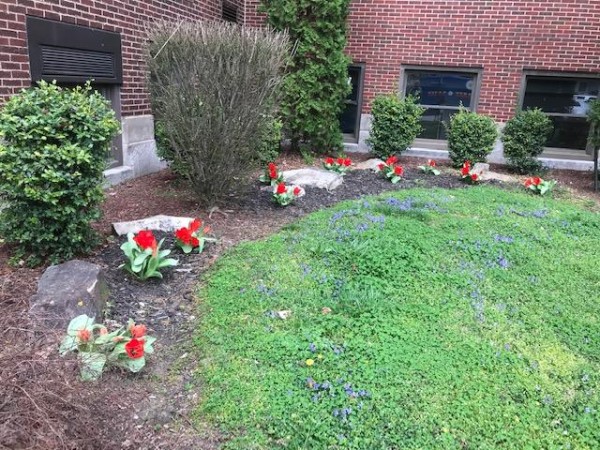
x: 317, y: 82
x: 213, y: 88
x: 594, y: 119
x: 54, y: 146
x: 524, y: 137
x: 164, y: 150
x: 471, y: 137
x: 269, y: 145
x: 396, y: 124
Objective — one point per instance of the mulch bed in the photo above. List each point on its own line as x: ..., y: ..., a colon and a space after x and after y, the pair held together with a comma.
x: 151, y: 410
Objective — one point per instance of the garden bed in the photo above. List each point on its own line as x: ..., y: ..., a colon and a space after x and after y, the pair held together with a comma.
x: 153, y: 408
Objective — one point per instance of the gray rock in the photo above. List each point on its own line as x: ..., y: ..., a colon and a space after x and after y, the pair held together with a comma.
x: 68, y: 290
x: 157, y: 223
x: 480, y: 169
x: 499, y: 177
x: 313, y: 177
x: 370, y: 164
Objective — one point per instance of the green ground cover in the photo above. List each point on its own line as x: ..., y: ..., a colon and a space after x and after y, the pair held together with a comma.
x: 459, y: 319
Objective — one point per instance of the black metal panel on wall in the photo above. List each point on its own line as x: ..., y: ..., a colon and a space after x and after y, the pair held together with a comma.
x: 73, y: 54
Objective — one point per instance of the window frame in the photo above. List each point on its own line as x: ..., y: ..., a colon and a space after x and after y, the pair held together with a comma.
x: 555, y: 74
x: 477, y: 72
x: 352, y: 138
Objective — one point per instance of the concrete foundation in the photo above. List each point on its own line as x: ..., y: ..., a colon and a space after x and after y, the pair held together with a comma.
x: 139, y: 151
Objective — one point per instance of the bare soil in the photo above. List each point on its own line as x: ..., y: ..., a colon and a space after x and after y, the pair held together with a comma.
x: 42, y: 402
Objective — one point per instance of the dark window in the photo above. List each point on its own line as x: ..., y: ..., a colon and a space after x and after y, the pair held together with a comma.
x: 350, y: 118
x: 566, y: 101
x: 73, y: 54
x: 442, y: 93
x: 230, y: 12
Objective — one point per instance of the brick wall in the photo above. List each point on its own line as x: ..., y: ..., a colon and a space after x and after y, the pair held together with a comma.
x: 502, y: 37
x: 252, y: 17
x: 128, y: 17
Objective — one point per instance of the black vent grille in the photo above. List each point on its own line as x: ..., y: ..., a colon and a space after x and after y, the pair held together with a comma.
x: 58, y: 61
x: 229, y: 12
x: 73, y: 54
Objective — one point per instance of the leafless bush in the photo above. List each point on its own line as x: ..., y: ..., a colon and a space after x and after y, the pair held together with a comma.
x: 213, y: 85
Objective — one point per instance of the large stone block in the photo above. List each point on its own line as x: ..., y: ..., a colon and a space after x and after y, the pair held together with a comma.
x: 313, y: 177
x: 68, y: 290
x: 156, y: 223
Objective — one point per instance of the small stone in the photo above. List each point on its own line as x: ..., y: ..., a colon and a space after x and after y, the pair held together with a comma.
x: 499, y: 177
x: 480, y: 169
x: 370, y: 164
x: 158, y: 223
x: 312, y: 177
x: 68, y: 290
x: 283, y: 315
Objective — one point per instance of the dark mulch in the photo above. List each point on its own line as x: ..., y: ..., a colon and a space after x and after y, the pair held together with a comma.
x: 152, y: 409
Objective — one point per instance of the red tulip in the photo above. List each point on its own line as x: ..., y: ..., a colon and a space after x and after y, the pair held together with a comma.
x: 145, y: 239
x: 431, y: 163
x: 195, y: 225
x: 184, y: 235
x: 281, y: 189
x: 347, y: 162
x: 398, y: 170
x: 474, y: 177
x: 138, y: 331
x: 391, y: 160
x: 297, y: 191
x: 537, y: 181
x: 329, y: 161
x: 135, y: 348
x: 84, y: 335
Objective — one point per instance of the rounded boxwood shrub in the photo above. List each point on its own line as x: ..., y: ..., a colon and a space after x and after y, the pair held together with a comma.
x: 471, y: 137
x: 53, y: 148
x: 396, y: 123
x: 524, y: 137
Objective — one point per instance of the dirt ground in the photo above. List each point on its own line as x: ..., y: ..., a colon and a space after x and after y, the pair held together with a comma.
x: 42, y: 402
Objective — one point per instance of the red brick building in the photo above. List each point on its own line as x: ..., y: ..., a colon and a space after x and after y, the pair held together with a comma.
x: 74, y: 40
x: 492, y: 56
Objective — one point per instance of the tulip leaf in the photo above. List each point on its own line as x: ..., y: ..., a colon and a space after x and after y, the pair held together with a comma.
x: 92, y: 365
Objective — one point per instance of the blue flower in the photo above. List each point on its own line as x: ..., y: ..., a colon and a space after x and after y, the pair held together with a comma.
x: 361, y: 228
x: 503, y: 262
x: 312, y: 347
x: 505, y: 239
x: 585, y: 378
x: 404, y: 205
